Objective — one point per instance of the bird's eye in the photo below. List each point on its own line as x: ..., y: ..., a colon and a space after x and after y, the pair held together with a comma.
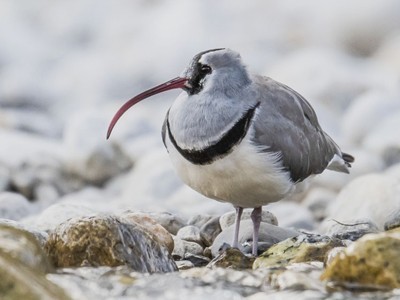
x: 205, y: 69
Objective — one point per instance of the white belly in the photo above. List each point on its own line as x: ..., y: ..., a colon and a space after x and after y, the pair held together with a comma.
x: 245, y: 177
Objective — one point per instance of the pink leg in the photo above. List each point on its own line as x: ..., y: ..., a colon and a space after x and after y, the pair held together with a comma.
x: 239, y: 211
x: 256, y: 218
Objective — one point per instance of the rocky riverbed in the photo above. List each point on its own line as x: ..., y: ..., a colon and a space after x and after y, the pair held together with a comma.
x: 86, y: 218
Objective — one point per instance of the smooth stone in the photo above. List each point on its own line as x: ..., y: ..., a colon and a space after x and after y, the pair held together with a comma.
x: 384, y: 139
x: 393, y: 221
x: 232, y: 258
x: 228, y: 218
x: 89, y: 157
x: 184, y: 264
x: 372, y: 262
x: 183, y: 247
x: 158, y: 231
x: 299, y: 277
x: 210, y: 230
x: 366, y: 112
x: 19, y: 281
x: 199, y: 220
x: 268, y: 235
x: 292, y: 215
x: 5, y: 177
x: 24, y: 247
x: 14, y: 206
x: 58, y: 213
x: 107, y: 241
x: 317, y: 201
x: 197, y: 260
x: 353, y: 230
x: 43, y: 178
x: 302, y: 248
x: 41, y: 236
x: 169, y: 221
x: 190, y: 233
x: 333, y: 253
x: 363, y: 198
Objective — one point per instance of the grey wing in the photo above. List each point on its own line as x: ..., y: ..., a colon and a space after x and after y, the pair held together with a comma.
x: 286, y: 123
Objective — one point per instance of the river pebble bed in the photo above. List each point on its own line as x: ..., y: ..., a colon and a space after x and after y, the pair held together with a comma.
x: 86, y: 218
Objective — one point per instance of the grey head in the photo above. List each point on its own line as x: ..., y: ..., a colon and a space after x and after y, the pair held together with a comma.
x: 216, y: 71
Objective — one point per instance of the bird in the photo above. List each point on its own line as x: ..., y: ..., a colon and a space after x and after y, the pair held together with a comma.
x: 239, y: 137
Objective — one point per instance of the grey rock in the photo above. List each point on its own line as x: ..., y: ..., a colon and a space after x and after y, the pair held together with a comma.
x: 89, y: 157
x: 190, y: 233
x: 197, y: 260
x: 373, y: 197
x: 42, y: 177
x: 317, y: 201
x: 298, y: 249
x: 210, y: 230
x: 268, y: 235
x: 228, y: 218
x: 107, y: 241
x: 352, y: 230
x: 199, y: 220
x: 393, y: 220
x: 14, y: 206
x: 299, y: 277
x: 182, y: 247
x: 292, y: 215
x: 169, y: 221
x: 184, y: 264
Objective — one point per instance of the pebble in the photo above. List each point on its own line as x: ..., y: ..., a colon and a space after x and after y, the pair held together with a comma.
x: 352, y: 231
x: 317, y: 201
x: 14, y: 206
x: 183, y: 247
x: 159, y: 232
x: 268, y: 236
x: 90, y: 157
x: 292, y: 215
x: 210, y: 230
x: 302, y: 248
x: 169, y: 221
x: 232, y: 258
x: 393, y: 221
x: 199, y: 220
x: 190, y: 233
x: 362, y: 198
x: 370, y: 263
x: 106, y: 241
x: 228, y: 218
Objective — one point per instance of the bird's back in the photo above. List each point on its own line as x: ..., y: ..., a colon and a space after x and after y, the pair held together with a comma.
x: 287, y: 124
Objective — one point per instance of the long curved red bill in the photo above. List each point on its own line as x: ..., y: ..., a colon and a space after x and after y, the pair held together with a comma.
x: 175, y: 83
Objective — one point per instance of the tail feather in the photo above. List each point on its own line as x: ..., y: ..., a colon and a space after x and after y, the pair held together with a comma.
x: 348, y: 159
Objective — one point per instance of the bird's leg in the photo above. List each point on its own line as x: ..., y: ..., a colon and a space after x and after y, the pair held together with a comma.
x: 239, y: 211
x: 256, y: 218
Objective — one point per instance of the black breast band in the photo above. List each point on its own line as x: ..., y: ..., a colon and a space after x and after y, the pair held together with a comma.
x: 221, y: 148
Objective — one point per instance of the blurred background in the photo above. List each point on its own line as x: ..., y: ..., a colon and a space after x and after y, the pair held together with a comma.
x: 67, y: 66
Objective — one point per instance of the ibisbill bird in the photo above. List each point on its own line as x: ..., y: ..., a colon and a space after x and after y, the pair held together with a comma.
x: 241, y: 138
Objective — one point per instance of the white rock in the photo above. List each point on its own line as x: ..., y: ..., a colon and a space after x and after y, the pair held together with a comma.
x: 372, y: 196
x: 366, y: 112
x: 292, y: 215
x: 14, y: 206
x: 90, y: 156
x: 228, y: 218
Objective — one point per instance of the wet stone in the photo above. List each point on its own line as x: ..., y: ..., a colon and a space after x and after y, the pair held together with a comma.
x: 352, y: 230
x: 302, y: 248
x: 107, y: 241
x: 372, y: 262
x: 210, y: 230
x: 24, y: 247
x: 158, y: 231
x: 228, y: 219
x: 232, y: 258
